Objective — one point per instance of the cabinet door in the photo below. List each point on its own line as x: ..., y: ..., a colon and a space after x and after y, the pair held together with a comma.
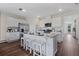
x: 12, y: 36
x: 55, y: 44
x: 49, y: 47
x: 77, y: 28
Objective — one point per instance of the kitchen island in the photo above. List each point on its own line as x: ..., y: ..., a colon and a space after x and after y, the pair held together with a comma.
x: 46, y: 45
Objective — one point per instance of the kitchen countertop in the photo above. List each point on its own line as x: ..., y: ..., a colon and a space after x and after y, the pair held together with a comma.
x: 51, y: 35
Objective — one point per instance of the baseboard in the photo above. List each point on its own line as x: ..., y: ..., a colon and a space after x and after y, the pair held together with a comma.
x: 2, y: 41
x: 11, y: 41
x: 60, y: 42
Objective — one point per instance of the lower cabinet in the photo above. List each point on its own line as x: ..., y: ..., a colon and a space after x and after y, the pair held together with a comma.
x: 12, y: 36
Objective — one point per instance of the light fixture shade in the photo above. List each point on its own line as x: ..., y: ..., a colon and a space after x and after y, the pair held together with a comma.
x: 21, y: 9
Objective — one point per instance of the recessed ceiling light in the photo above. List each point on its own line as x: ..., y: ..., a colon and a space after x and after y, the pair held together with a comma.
x: 38, y: 16
x: 60, y: 10
x: 21, y: 9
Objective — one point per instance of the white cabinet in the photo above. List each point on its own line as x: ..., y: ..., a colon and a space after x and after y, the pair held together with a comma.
x: 50, y: 47
x: 50, y: 43
x: 60, y: 37
x: 12, y: 36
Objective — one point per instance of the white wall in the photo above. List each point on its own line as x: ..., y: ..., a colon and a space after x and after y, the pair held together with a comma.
x: 3, y: 27
x: 77, y: 28
x: 0, y: 25
x: 7, y: 21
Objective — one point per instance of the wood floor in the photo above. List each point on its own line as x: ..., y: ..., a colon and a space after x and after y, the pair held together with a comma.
x: 69, y: 47
x: 12, y: 49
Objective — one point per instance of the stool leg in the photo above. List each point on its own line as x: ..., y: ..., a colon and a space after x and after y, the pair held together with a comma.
x: 45, y: 49
x: 21, y: 43
x: 33, y: 53
x: 24, y: 44
x: 30, y: 50
x: 34, y: 50
x: 40, y: 51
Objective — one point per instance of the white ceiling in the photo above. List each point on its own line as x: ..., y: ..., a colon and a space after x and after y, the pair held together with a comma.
x: 38, y: 9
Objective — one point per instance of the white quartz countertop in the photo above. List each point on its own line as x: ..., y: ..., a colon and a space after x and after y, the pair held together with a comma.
x: 52, y: 34
x: 34, y: 37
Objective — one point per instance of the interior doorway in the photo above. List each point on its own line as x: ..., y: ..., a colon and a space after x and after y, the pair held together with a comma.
x: 69, y: 28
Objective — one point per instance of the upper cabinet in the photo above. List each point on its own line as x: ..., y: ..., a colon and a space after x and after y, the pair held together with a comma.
x: 57, y: 22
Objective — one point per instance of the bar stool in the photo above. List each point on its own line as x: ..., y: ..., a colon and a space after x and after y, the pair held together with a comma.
x: 38, y: 48
x: 28, y: 44
x: 23, y: 42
